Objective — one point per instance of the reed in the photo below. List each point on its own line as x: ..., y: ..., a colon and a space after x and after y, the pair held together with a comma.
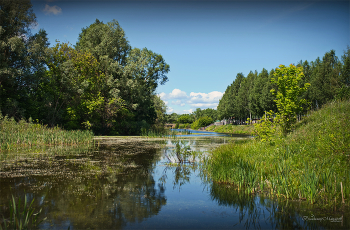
x: 232, y: 129
x: 312, y: 163
x: 21, y: 217
x: 21, y: 134
x: 154, y: 132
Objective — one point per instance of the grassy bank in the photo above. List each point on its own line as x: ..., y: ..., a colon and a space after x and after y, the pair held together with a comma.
x: 20, y: 134
x: 312, y: 163
x: 233, y: 129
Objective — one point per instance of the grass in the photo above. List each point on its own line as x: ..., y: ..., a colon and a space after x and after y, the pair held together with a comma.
x: 21, y: 134
x: 312, y: 163
x: 232, y: 129
x: 21, y: 219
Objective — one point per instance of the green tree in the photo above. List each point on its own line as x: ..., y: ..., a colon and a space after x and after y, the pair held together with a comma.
x: 288, y: 94
x: 160, y: 108
x: 325, y: 79
x: 183, y: 119
x: 228, y: 106
x: 21, y: 58
x: 202, y: 122
x: 344, y: 91
x: 130, y: 74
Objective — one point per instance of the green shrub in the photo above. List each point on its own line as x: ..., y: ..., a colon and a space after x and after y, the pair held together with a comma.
x: 202, y: 122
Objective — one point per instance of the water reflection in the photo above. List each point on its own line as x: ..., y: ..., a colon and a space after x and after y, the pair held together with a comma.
x: 259, y: 212
x: 103, y: 188
x: 131, y: 183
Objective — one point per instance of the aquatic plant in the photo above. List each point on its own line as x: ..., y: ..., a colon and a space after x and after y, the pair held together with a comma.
x: 312, y: 163
x: 21, y: 218
x: 154, y: 132
x: 15, y: 134
x: 233, y: 129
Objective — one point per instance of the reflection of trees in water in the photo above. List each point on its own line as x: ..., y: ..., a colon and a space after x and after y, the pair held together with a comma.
x: 254, y: 211
x: 118, y: 188
x: 181, y: 173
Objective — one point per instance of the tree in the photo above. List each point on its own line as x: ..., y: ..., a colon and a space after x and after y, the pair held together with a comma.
x: 288, y: 94
x: 130, y: 74
x: 228, y: 106
x: 202, y: 122
x: 344, y: 91
x: 160, y: 109
x: 256, y: 93
x: 16, y: 18
x: 197, y: 113
x: 183, y: 119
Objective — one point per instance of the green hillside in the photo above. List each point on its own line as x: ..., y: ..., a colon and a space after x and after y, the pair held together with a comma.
x: 311, y: 163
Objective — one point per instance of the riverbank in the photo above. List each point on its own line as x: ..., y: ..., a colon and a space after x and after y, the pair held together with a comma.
x: 312, y: 163
x: 22, y: 134
x: 232, y: 129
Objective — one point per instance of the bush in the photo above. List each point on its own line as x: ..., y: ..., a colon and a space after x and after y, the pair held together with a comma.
x: 202, y: 122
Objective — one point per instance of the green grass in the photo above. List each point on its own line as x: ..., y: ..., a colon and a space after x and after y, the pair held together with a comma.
x: 232, y: 129
x: 312, y: 163
x: 21, y: 134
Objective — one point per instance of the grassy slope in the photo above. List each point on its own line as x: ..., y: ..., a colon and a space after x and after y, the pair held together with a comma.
x: 311, y: 163
x: 233, y: 129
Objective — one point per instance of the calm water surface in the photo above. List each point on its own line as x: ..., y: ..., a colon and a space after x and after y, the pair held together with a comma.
x: 129, y: 184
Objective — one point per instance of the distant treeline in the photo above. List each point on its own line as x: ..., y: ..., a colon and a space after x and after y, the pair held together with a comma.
x: 251, y: 96
x: 101, y: 84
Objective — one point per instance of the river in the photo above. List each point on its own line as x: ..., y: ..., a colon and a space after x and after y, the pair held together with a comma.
x: 137, y: 183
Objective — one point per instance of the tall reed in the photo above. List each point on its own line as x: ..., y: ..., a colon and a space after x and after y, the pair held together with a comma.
x: 312, y: 163
x: 15, y: 134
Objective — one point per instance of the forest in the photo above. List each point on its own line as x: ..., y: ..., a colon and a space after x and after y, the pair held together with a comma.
x: 101, y: 83
x: 250, y: 97
x: 105, y: 85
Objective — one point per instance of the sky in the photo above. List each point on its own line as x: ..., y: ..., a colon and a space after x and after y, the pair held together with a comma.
x: 207, y: 43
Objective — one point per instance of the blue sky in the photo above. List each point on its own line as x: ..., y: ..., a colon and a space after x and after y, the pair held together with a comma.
x: 206, y: 43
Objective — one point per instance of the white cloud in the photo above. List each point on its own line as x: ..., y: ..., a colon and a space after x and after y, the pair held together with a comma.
x: 205, y: 105
x: 175, y: 94
x: 179, y: 98
x: 211, y: 97
x: 35, y: 26
x: 170, y: 110
x: 52, y: 10
x: 162, y: 95
x: 178, y: 102
x: 188, y: 111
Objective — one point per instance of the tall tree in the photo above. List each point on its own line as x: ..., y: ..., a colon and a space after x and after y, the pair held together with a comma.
x: 130, y: 74
x: 344, y: 91
x: 16, y: 18
x: 22, y: 60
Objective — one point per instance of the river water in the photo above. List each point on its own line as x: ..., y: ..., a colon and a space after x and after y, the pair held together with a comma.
x: 135, y: 183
